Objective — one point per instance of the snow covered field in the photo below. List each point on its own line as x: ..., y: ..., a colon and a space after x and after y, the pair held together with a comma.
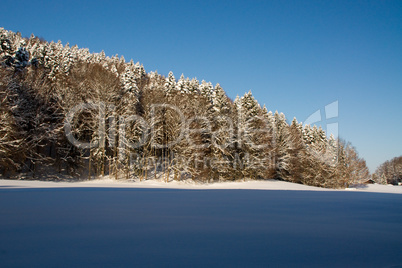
x: 249, y: 185
x: 153, y: 224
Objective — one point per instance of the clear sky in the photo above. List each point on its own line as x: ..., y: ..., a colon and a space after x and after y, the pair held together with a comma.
x: 295, y: 56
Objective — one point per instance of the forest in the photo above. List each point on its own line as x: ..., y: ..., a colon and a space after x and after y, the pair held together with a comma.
x: 66, y: 113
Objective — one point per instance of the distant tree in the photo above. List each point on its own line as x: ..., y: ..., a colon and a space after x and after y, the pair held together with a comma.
x: 350, y: 168
x: 389, y: 172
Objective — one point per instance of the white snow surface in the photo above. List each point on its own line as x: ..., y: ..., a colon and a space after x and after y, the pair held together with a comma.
x: 108, y: 182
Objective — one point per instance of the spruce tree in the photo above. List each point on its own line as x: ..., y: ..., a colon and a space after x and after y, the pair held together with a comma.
x: 170, y: 84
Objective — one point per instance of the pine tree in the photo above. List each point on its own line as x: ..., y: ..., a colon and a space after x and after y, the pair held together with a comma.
x: 254, y: 138
x: 221, y: 115
x: 170, y: 84
x: 129, y: 81
x: 282, y: 140
x: 298, y: 159
x: 194, y: 87
x: 206, y: 90
x: 183, y: 85
x: 221, y: 103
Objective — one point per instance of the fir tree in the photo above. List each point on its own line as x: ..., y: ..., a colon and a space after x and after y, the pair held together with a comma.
x: 170, y: 84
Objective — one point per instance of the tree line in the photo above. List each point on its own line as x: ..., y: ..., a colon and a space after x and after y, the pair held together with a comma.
x: 67, y: 111
x: 389, y: 172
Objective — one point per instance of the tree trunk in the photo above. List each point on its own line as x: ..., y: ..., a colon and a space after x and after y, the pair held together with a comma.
x: 89, y: 166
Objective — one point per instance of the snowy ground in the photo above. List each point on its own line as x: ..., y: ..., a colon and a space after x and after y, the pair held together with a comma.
x: 152, y: 224
x: 249, y: 185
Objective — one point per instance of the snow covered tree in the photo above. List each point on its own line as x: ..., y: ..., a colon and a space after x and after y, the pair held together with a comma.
x: 254, y: 138
x: 6, y: 48
x: 170, y: 84
x: 350, y: 168
x: 207, y: 90
x: 282, y: 144
x: 220, y: 101
x: 194, y: 87
x: 183, y: 85
x: 297, y: 161
x: 221, y: 114
x: 129, y: 81
x: 11, y: 137
x: 389, y: 172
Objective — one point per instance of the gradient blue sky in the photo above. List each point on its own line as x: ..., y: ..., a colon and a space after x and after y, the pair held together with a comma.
x: 295, y: 56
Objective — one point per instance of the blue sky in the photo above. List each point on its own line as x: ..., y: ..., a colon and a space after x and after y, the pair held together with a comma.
x: 295, y: 56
